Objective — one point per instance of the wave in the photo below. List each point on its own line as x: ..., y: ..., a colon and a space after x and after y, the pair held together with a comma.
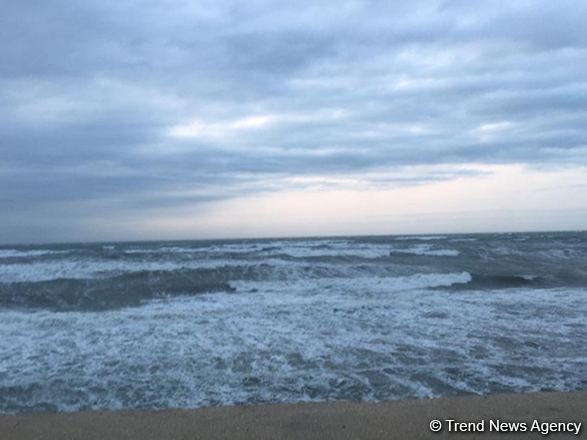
x: 365, y: 252
x: 16, y: 253
x: 89, y: 268
x: 480, y: 281
x: 421, y: 237
x: 368, y: 284
x: 426, y: 249
x: 133, y: 289
x: 110, y: 293
x: 296, y: 249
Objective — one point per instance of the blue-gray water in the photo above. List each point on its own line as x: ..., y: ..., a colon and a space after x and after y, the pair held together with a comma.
x: 195, y: 323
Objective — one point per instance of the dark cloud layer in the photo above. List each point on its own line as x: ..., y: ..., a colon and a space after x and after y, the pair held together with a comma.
x: 142, y: 102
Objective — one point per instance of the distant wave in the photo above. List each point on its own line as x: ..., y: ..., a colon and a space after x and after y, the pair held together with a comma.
x: 421, y: 237
x: 16, y: 253
x: 425, y: 249
x: 479, y: 281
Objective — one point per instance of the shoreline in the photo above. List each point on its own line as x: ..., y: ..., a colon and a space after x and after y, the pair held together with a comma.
x: 402, y: 419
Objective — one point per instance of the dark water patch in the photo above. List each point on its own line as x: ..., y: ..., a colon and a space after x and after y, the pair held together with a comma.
x: 125, y: 290
x: 111, y: 291
x: 435, y: 315
x: 480, y: 281
x: 483, y: 281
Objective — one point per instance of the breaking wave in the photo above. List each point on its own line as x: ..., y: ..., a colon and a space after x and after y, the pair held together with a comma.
x: 100, y: 294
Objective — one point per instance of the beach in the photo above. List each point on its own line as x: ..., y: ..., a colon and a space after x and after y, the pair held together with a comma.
x: 408, y: 419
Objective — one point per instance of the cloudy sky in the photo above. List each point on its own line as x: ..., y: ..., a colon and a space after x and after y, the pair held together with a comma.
x: 146, y: 119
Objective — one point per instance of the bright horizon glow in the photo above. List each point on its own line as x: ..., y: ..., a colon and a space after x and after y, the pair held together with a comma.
x: 326, y: 207
x: 471, y: 204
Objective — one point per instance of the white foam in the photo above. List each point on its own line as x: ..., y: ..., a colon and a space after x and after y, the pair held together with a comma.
x: 422, y: 237
x: 11, y: 253
x: 211, y: 249
x: 331, y: 249
x: 295, y: 345
x: 91, y: 268
x: 86, y: 268
x: 368, y: 284
x: 299, y: 249
x: 294, y: 248
x: 426, y: 249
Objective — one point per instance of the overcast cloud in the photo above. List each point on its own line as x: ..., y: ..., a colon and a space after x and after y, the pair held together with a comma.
x: 108, y: 106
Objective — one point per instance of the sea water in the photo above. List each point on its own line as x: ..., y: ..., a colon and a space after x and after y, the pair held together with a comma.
x: 205, y: 323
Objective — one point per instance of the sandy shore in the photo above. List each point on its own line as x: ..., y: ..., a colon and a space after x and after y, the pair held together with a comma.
x: 390, y: 420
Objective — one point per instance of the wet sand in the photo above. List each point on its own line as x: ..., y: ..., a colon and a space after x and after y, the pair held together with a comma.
x: 390, y: 420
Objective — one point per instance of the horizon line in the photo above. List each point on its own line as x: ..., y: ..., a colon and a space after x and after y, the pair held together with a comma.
x: 292, y: 237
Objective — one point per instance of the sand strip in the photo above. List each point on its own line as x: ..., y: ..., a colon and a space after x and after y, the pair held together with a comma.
x: 390, y: 420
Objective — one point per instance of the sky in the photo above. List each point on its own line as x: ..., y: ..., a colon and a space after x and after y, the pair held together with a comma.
x: 160, y: 119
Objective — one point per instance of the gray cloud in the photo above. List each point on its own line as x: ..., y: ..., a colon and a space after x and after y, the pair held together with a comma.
x: 91, y: 93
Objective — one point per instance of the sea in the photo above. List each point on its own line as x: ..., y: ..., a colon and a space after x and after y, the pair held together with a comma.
x: 184, y: 324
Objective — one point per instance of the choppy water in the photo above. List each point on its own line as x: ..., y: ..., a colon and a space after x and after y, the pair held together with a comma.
x: 186, y: 324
